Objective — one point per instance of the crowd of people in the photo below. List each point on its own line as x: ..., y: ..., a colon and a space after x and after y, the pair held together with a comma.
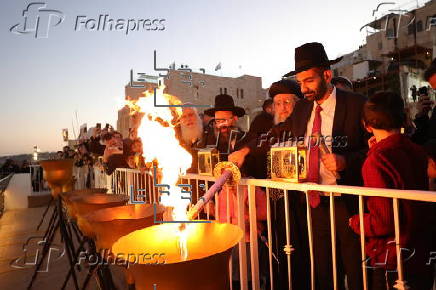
x: 12, y: 166
x: 383, y: 149
x: 105, y: 149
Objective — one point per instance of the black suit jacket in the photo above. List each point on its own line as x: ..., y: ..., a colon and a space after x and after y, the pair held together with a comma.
x: 349, y: 137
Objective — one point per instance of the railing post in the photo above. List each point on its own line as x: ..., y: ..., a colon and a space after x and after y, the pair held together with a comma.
x: 362, y: 243
x: 288, y: 247
x: 268, y: 222
x: 206, y: 188
x: 310, y: 235
x: 253, y: 238
x: 400, y: 283
x: 242, y: 245
x: 333, y: 239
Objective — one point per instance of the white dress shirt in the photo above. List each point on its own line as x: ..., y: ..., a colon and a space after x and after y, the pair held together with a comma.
x: 327, y: 117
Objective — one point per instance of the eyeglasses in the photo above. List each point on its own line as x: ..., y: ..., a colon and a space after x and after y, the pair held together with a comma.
x: 223, y: 121
x: 280, y: 103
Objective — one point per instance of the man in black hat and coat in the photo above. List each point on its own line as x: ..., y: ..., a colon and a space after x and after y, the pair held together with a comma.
x: 285, y: 94
x: 227, y: 135
x: 326, y: 111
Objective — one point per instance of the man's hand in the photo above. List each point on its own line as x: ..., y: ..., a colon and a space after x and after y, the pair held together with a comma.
x: 333, y: 162
x: 238, y: 157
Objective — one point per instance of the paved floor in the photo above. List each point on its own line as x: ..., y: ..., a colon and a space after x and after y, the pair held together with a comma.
x: 16, y: 226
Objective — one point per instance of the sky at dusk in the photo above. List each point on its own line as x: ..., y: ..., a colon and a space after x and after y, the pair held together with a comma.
x: 44, y: 81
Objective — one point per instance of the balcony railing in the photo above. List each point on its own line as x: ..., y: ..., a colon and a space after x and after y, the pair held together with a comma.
x: 134, y: 183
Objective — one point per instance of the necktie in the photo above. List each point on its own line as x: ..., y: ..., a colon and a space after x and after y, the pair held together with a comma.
x: 313, y: 176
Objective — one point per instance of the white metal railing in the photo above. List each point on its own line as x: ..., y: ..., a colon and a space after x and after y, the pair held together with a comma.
x: 131, y: 182
x: 5, y: 181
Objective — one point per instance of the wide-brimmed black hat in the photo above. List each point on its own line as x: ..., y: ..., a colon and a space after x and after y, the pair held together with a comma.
x: 224, y: 102
x: 310, y: 55
x: 285, y: 86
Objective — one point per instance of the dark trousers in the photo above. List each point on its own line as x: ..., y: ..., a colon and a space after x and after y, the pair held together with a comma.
x: 300, y: 261
x: 348, y: 252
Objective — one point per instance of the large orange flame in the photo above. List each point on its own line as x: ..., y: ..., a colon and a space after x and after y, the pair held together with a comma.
x: 160, y: 144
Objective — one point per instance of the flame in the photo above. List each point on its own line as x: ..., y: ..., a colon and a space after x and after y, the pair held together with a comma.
x: 160, y: 144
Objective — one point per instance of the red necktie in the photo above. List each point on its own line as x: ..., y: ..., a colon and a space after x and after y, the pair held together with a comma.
x: 314, y: 198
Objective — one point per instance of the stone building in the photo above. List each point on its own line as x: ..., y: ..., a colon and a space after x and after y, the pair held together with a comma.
x: 399, y: 46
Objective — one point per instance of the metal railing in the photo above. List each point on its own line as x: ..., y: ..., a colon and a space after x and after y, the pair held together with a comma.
x: 134, y: 183
x: 4, y: 182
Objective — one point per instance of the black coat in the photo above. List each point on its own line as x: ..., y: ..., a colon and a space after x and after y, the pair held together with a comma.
x: 261, y: 124
x: 425, y: 128
x: 256, y: 163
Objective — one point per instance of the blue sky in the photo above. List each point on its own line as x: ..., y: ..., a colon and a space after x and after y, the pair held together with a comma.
x: 43, y: 82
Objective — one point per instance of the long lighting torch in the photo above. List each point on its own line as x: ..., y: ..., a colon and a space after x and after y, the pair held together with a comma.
x: 225, y: 172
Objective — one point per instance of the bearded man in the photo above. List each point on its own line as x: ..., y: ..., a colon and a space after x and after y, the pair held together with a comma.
x: 285, y: 94
x: 227, y: 134
x: 191, y: 126
x: 327, y: 111
x: 189, y: 133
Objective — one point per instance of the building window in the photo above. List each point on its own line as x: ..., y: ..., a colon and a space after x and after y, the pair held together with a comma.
x: 242, y: 93
x: 237, y: 93
x: 225, y: 91
x: 221, y: 91
x: 419, y: 26
x: 411, y: 28
x: 390, y: 33
x: 433, y: 21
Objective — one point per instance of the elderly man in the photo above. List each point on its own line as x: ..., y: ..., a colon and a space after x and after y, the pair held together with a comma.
x: 191, y: 126
x: 189, y: 133
x: 285, y: 94
x: 327, y: 111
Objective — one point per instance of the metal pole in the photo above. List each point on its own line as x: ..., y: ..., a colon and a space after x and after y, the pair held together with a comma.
x: 268, y: 220
x: 253, y: 238
x: 333, y: 238
x: 362, y: 243
x: 242, y: 245
x: 401, y: 284
x: 310, y: 234
x: 288, y: 247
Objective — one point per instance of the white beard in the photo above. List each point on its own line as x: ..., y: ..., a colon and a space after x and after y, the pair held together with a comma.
x: 191, y: 134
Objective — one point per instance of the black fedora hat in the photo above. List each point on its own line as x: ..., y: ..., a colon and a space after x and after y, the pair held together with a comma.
x: 285, y: 86
x: 224, y: 102
x: 310, y: 55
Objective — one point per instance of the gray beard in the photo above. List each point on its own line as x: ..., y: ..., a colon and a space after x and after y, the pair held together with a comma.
x: 189, y: 135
